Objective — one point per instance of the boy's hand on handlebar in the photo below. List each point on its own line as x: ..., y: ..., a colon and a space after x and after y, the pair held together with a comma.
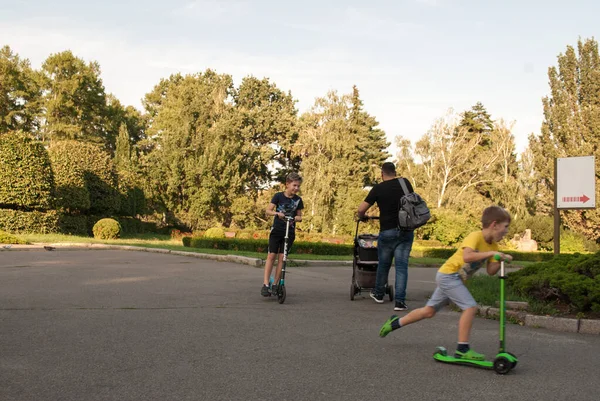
x: 503, y: 257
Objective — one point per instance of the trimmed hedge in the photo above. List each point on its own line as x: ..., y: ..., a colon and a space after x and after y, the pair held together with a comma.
x: 571, y: 279
x: 85, y: 177
x: 257, y: 245
x: 26, y: 178
x: 18, y: 222
x: 52, y: 222
x: 324, y: 248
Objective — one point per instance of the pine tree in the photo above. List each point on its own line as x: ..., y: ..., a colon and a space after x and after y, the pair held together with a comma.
x: 571, y: 127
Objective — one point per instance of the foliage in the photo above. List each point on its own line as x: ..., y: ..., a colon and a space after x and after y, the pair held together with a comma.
x: 85, y: 177
x: 571, y: 127
x: 17, y: 222
x: 74, y: 99
x: 20, y: 94
x: 215, y: 232
x: 542, y: 229
x: 571, y: 279
x: 107, y: 229
x: 448, y: 227
x: 26, y: 178
x: 6, y: 238
x: 261, y: 245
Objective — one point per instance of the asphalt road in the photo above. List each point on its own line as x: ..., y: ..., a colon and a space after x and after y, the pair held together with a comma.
x: 118, y: 325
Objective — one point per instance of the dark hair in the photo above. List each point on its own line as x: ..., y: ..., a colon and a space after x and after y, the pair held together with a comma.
x: 494, y: 213
x: 291, y: 177
x: 388, y: 168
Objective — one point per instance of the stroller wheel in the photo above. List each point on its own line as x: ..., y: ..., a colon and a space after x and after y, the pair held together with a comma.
x: 352, y: 291
x: 390, y: 292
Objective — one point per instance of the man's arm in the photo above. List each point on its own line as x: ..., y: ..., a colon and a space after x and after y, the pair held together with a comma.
x: 362, y: 209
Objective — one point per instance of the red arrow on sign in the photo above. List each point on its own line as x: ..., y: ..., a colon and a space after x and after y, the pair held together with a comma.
x: 581, y: 199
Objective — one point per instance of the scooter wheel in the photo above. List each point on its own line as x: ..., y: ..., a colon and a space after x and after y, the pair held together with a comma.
x: 281, y: 295
x: 502, y: 365
x: 515, y: 362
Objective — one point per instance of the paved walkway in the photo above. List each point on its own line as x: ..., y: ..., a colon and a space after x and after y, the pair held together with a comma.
x: 116, y: 325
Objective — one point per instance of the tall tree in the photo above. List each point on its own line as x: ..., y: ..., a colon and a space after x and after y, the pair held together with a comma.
x: 371, y: 141
x: 571, y: 126
x: 193, y: 147
x: 331, y: 172
x: 74, y: 99
x: 20, y: 94
x: 478, y: 122
x: 267, y: 117
x: 452, y: 161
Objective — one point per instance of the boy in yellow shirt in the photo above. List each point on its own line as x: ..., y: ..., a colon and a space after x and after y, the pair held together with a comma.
x: 476, y: 249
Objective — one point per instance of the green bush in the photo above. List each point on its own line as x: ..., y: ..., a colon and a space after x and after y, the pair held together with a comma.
x: 107, y: 229
x: 215, y: 232
x: 571, y: 279
x: 252, y: 245
x: 6, y: 238
x: 447, y: 227
x: 26, y: 178
x: 85, y: 178
x: 542, y: 229
x: 18, y: 222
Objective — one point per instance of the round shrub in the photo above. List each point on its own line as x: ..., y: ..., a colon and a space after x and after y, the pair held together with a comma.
x: 26, y: 178
x: 215, y: 232
x: 107, y: 229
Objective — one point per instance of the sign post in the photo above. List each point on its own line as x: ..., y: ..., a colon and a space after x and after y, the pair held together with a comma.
x: 574, y: 188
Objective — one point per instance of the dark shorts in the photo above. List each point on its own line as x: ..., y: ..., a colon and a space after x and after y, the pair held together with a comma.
x: 276, y: 241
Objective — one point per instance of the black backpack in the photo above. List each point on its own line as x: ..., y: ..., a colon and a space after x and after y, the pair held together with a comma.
x: 412, y: 209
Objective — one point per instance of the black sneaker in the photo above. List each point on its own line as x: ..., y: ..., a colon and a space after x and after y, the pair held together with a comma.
x: 275, y: 289
x: 377, y: 298
x: 400, y: 305
x: 265, y: 291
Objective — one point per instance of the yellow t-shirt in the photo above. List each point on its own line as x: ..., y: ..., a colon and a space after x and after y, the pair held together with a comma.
x: 456, y: 263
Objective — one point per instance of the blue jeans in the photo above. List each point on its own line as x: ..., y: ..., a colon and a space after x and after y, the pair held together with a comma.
x: 395, y: 244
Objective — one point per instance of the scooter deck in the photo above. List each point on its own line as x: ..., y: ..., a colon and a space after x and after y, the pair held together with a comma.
x: 441, y: 355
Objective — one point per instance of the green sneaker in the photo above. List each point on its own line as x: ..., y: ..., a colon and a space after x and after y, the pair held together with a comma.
x: 470, y: 355
x: 387, y: 326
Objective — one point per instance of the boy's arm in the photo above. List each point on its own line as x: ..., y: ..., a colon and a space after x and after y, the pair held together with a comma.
x: 469, y: 255
x: 271, y: 211
x: 298, y: 216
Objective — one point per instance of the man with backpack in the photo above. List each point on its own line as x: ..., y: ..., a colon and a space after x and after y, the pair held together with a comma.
x: 394, y: 242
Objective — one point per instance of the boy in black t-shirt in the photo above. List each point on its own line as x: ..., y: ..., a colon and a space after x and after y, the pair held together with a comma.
x: 286, y: 203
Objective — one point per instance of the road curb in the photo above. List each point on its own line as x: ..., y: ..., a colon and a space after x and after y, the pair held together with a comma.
x: 255, y: 262
x: 561, y: 324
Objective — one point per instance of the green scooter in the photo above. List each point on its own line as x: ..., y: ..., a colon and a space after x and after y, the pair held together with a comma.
x: 504, y: 361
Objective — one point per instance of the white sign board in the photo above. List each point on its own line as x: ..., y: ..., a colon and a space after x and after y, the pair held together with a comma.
x: 576, y: 182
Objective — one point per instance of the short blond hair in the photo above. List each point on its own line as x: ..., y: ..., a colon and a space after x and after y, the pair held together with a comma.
x: 291, y: 177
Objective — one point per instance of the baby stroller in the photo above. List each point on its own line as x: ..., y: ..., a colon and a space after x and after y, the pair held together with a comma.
x: 364, y: 263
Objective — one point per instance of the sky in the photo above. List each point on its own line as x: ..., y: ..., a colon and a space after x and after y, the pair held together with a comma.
x: 411, y: 60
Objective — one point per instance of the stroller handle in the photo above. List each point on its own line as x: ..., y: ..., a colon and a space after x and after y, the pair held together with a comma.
x: 365, y: 218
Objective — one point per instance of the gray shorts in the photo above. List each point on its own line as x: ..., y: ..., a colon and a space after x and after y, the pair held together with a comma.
x: 450, y: 287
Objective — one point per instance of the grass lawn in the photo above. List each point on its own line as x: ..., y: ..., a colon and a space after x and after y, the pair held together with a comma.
x: 486, y: 291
